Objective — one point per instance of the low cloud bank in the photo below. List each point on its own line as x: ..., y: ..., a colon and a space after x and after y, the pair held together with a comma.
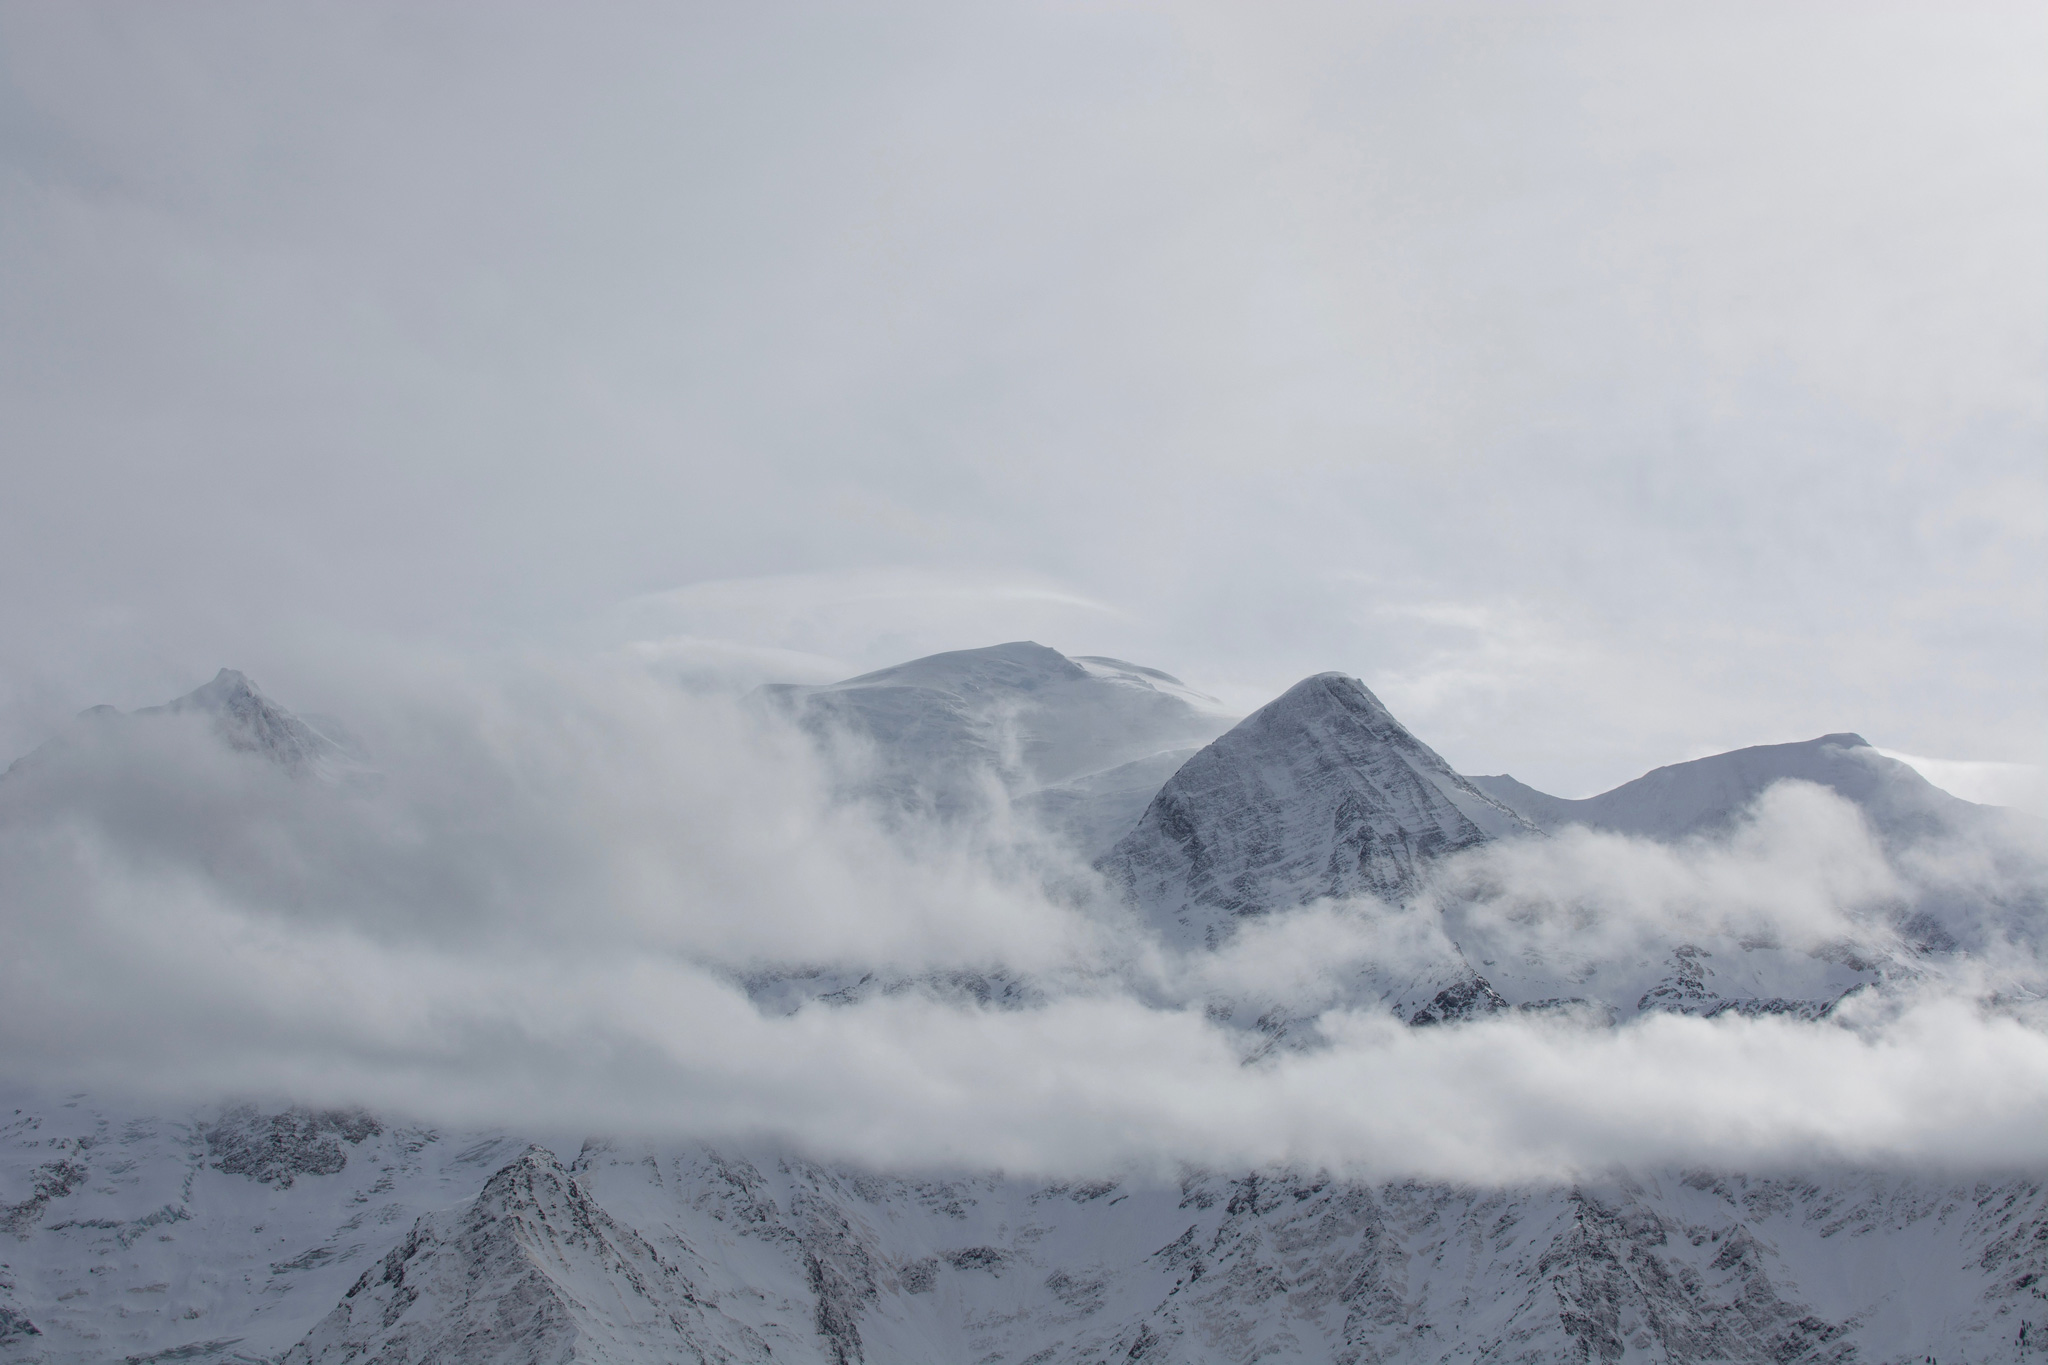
x: 544, y: 907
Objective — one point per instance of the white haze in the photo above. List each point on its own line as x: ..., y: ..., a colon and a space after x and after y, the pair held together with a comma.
x: 540, y: 910
x: 1602, y: 383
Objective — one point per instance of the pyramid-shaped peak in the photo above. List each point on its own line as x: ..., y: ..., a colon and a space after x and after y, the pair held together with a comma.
x: 532, y: 1269
x: 1334, y: 709
x: 248, y: 720
x: 1319, y: 793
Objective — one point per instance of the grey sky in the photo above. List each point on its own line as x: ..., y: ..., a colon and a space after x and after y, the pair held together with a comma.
x: 1603, y: 384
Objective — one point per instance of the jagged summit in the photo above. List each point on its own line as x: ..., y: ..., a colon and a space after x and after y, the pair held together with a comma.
x: 241, y: 716
x: 1707, y: 794
x: 1321, y: 792
x: 532, y: 1270
x: 248, y: 720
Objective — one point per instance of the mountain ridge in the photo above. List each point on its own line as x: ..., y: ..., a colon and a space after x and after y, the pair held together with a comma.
x: 1704, y: 795
x: 332, y: 1235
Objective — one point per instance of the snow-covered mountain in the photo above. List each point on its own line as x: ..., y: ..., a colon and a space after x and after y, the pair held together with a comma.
x: 1078, y: 742
x: 245, y: 1234
x: 154, y: 1240
x: 1320, y: 793
x: 238, y: 714
x: 225, y: 1233
x: 1706, y: 795
x: 531, y: 1269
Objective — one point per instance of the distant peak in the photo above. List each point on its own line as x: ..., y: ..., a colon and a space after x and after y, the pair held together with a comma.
x: 1845, y: 740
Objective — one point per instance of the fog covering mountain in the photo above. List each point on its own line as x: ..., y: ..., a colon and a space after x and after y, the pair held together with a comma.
x: 1706, y: 795
x: 1080, y: 744
x: 1809, y: 891
x: 236, y: 713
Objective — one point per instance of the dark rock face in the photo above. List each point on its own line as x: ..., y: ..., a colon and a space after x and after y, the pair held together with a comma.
x: 15, y: 1327
x: 1472, y: 998
x: 53, y: 1180
x: 840, y: 1270
x: 1321, y: 793
x: 278, y: 1148
x: 1623, y: 1283
x: 1685, y: 989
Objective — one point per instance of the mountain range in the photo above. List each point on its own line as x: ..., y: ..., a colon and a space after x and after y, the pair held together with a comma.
x: 232, y: 1233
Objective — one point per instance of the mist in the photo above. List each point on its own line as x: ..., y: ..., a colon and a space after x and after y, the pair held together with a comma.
x: 1603, y: 385
x: 543, y: 902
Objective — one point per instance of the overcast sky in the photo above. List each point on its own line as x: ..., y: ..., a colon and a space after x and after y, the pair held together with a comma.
x: 1604, y: 384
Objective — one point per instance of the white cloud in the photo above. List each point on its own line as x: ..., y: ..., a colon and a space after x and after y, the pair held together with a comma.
x: 539, y: 914
x: 1251, y: 322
